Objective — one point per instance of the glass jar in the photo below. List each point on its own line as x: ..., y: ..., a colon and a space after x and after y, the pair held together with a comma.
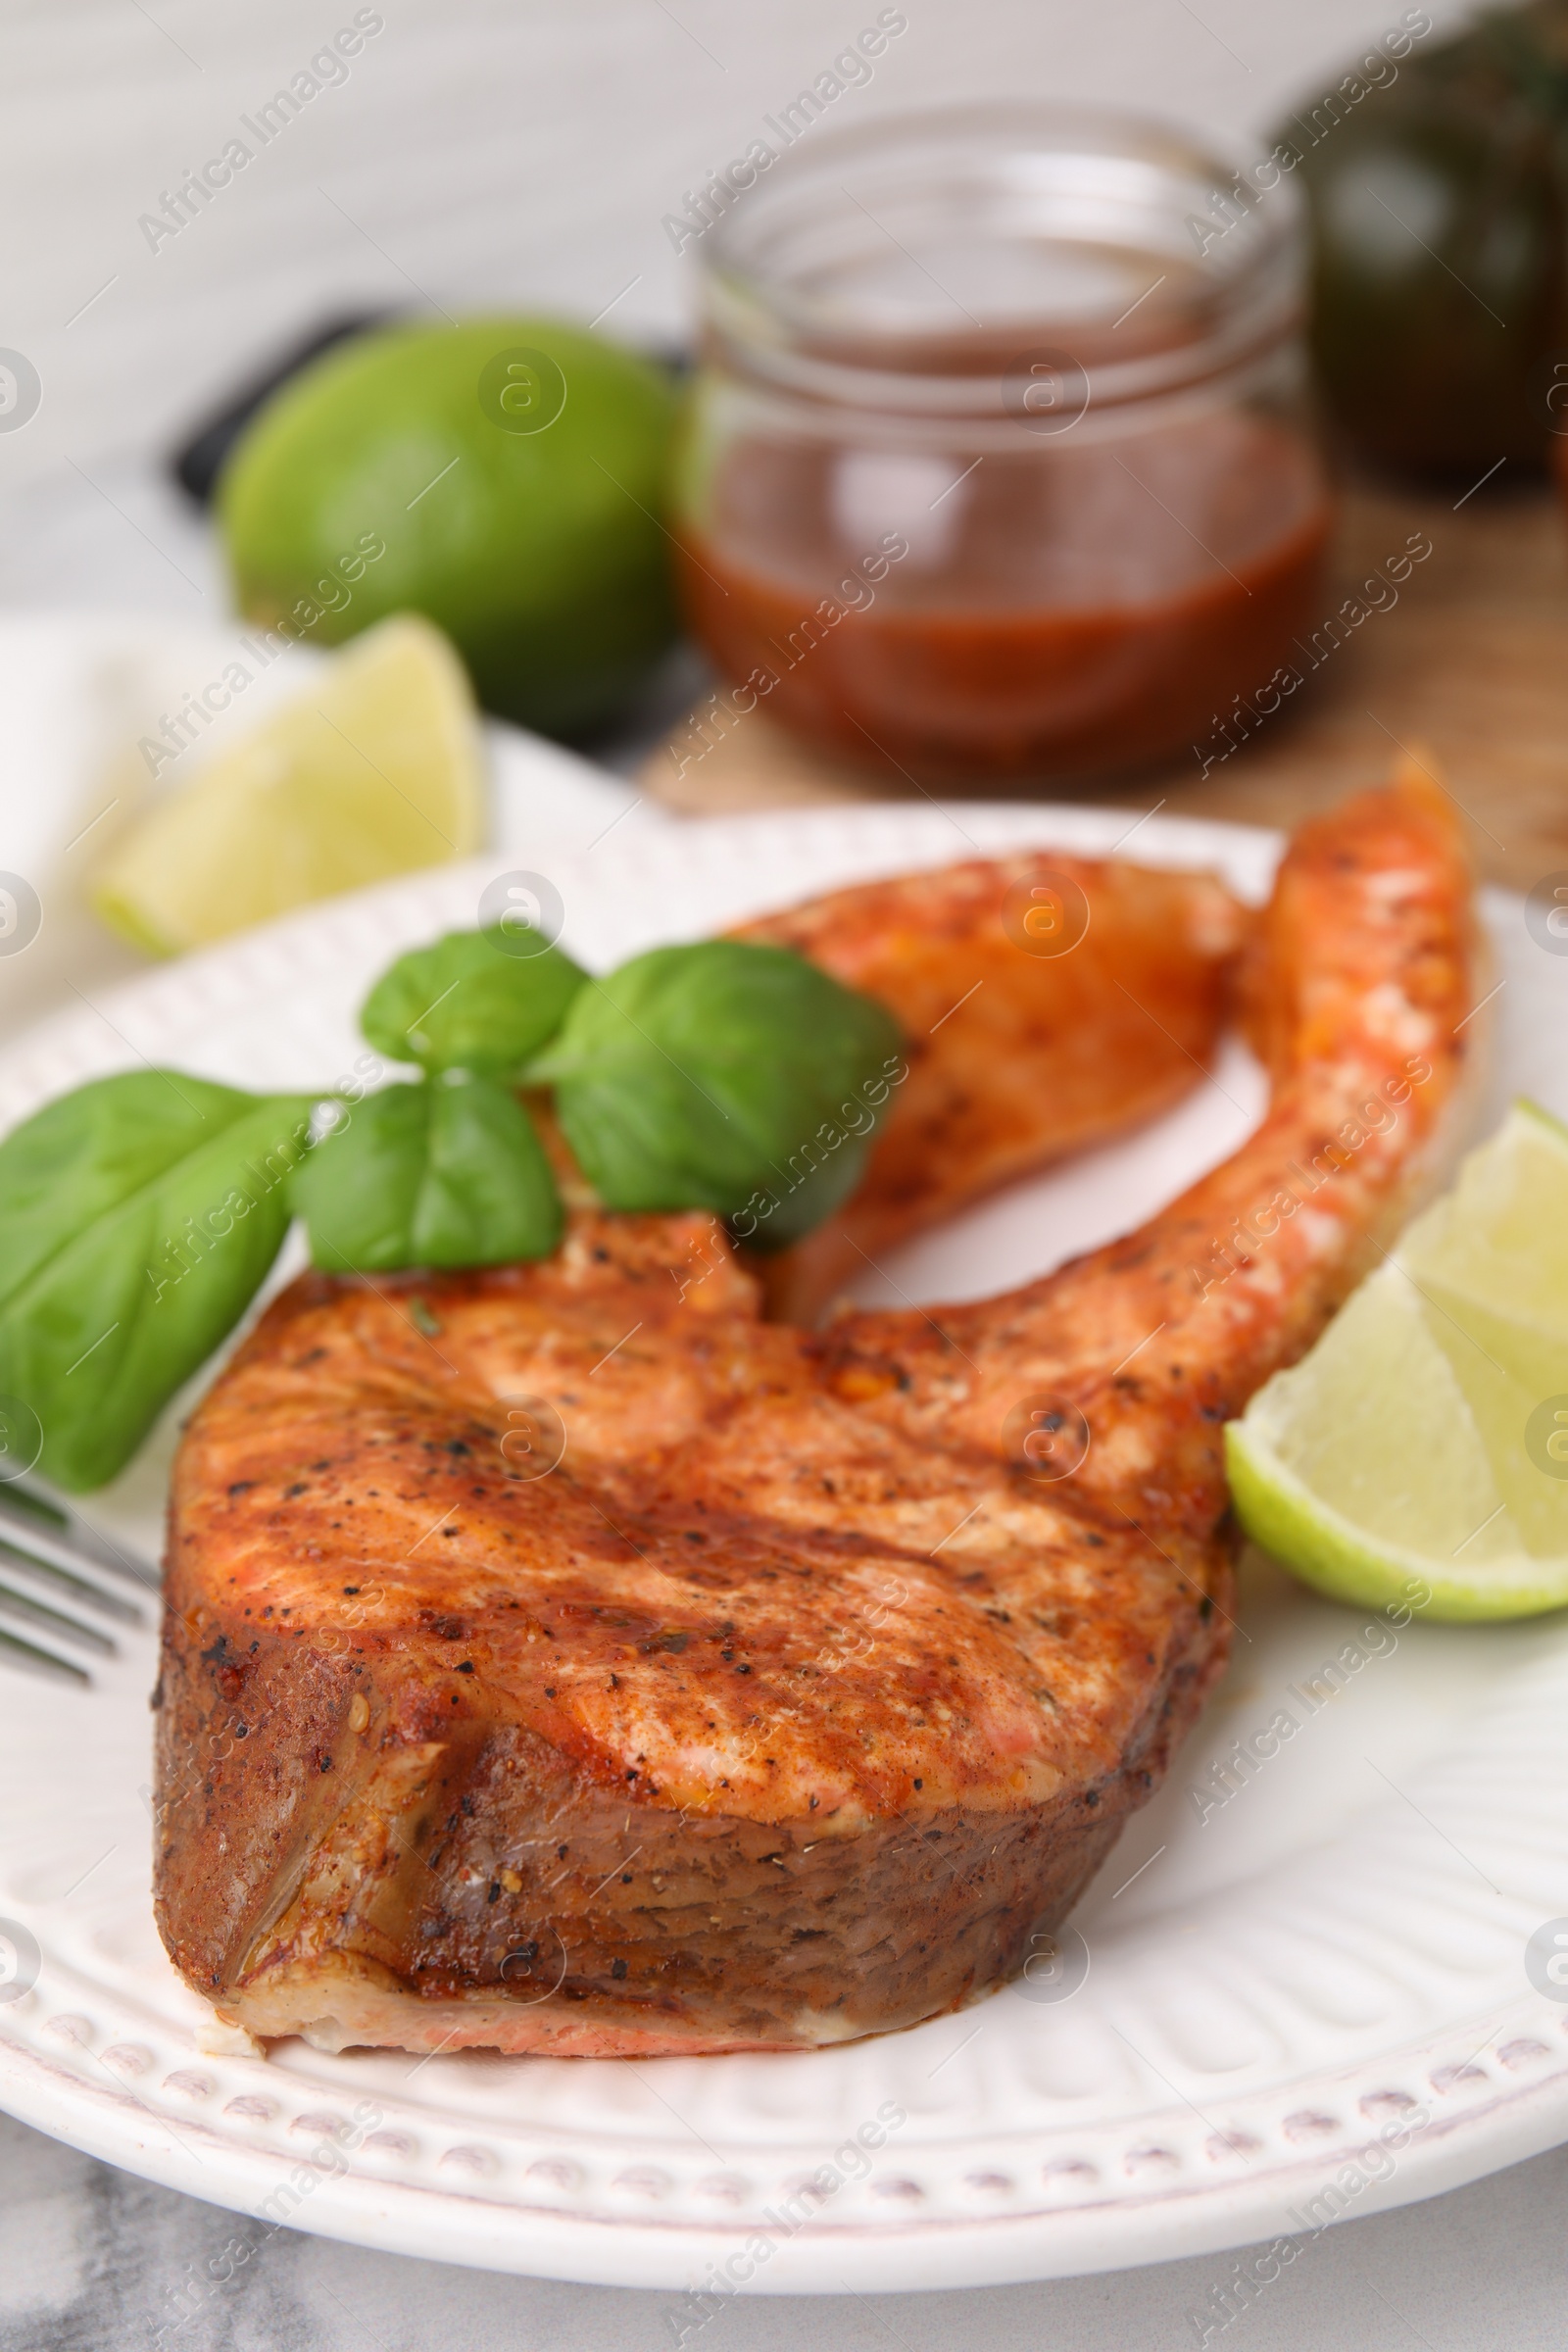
x: 1000, y: 463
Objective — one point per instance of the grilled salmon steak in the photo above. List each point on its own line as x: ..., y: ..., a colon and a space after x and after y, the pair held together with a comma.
x: 819, y: 1673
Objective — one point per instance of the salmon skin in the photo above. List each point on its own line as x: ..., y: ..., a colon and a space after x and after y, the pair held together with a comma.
x: 817, y: 1676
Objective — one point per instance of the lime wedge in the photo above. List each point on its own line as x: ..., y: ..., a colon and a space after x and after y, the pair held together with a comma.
x: 1424, y: 1440
x: 375, y: 769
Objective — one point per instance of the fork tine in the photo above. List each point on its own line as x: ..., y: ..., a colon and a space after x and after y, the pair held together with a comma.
x: 34, y: 1506
x: 41, y: 1661
x: 80, y: 1588
x: 37, y: 1542
x: 68, y: 1629
x: 22, y: 1536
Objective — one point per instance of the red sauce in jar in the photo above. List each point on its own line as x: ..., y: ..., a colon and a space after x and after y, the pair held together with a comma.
x: 1069, y: 610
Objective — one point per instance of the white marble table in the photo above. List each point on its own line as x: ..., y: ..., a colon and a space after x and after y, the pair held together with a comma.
x: 94, y: 2261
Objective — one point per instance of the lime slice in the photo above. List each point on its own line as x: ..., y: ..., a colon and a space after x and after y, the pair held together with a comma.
x: 1423, y: 1441
x: 375, y: 770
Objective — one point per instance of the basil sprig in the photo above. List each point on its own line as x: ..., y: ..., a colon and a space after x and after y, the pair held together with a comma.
x: 141, y: 1214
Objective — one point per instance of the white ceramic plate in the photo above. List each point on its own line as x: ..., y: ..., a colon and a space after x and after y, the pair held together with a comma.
x: 1313, y: 2000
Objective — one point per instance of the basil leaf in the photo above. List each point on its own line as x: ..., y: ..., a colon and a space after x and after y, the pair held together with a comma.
x: 705, y: 1076
x: 815, y: 1183
x: 430, y: 1175
x: 471, y: 1002
x: 140, y: 1214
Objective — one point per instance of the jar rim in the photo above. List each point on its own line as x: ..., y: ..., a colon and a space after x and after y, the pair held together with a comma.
x: 809, y: 292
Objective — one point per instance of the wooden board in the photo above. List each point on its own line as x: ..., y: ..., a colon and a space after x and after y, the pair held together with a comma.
x: 1469, y: 668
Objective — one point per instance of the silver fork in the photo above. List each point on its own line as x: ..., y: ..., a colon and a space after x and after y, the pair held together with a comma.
x: 45, y: 1551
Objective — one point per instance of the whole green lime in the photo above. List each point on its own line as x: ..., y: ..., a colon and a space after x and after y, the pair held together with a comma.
x: 504, y: 476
